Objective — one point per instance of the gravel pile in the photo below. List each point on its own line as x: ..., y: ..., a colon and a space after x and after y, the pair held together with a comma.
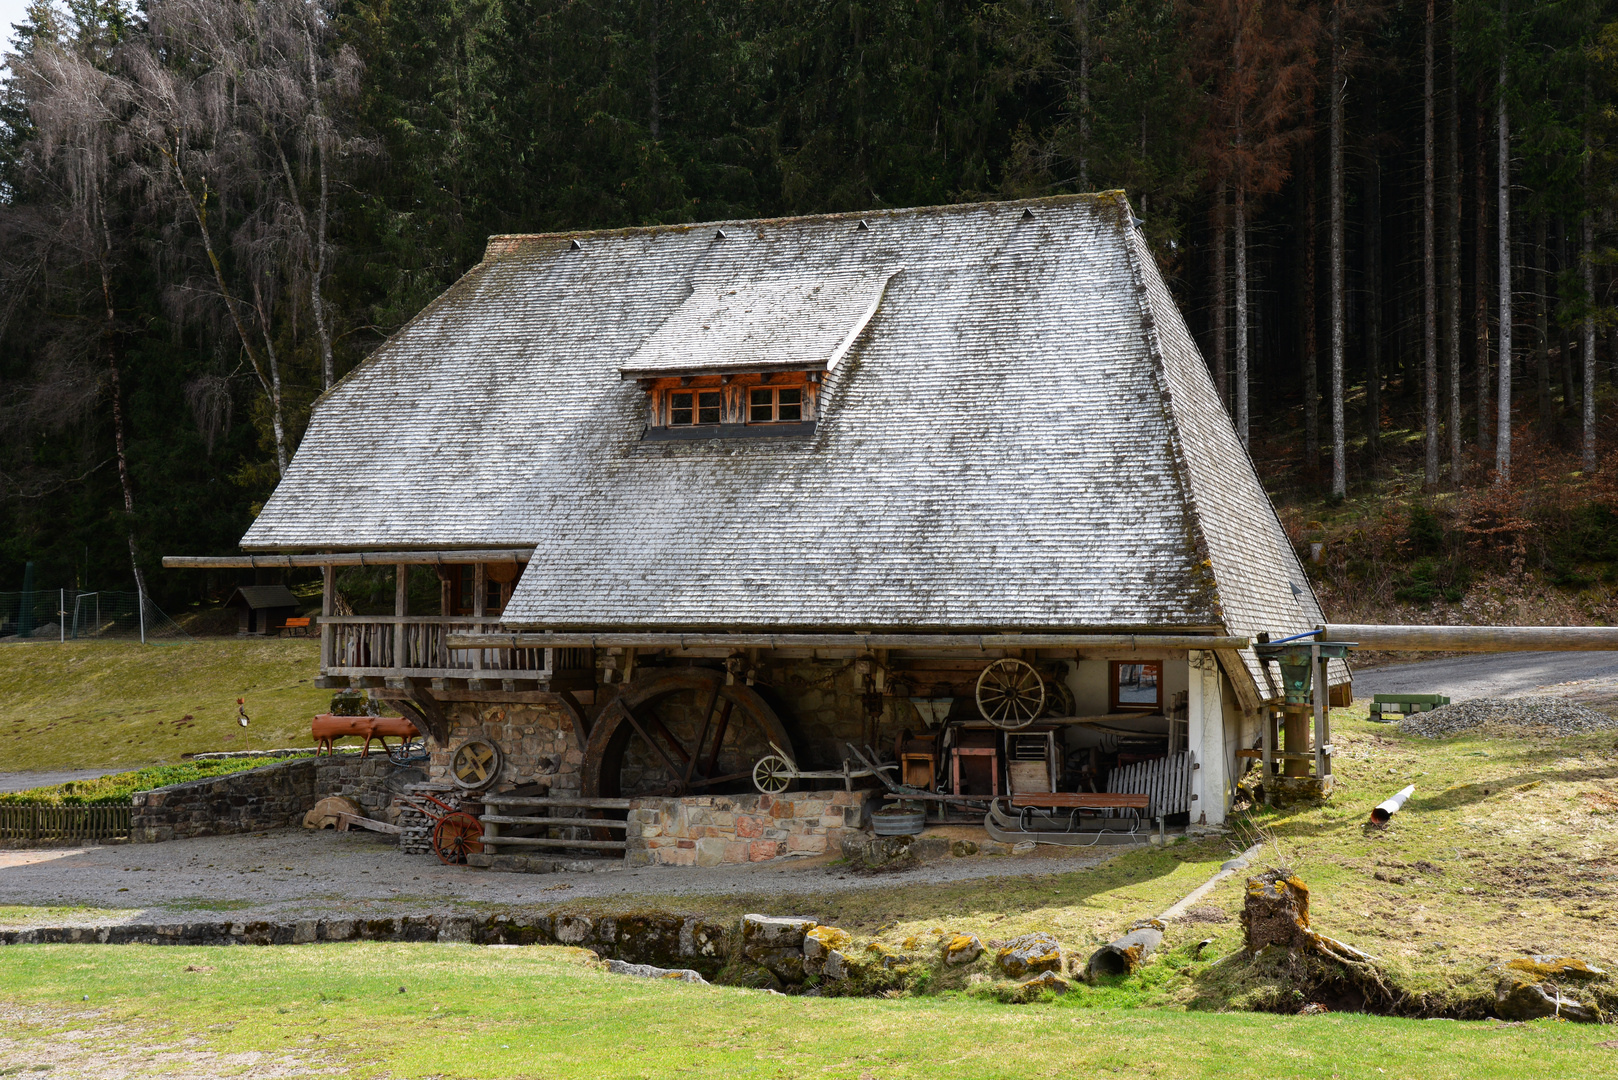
x: 1557, y: 716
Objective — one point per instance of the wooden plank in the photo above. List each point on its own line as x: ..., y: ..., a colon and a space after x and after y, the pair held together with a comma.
x: 546, y: 800
x: 540, y: 841
x: 596, y: 823
x: 344, y: 820
x: 835, y: 641
x: 1282, y: 755
x: 347, y: 558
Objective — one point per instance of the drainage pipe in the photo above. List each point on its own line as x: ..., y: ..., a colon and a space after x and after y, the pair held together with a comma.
x: 1476, y: 638
x: 1127, y: 953
x: 1385, y: 810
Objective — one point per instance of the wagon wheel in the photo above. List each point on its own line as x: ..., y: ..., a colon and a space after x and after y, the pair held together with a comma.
x: 456, y: 836
x: 677, y: 731
x: 1058, y: 698
x: 772, y: 774
x: 475, y: 764
x: 1010, y: 694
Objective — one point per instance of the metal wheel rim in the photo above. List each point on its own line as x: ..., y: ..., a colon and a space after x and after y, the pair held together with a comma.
x: 1010, y: 694
x: 771, y: 775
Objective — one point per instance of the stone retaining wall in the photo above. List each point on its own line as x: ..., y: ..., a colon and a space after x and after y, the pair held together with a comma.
x: 272, y: 797
x: 717, y: 829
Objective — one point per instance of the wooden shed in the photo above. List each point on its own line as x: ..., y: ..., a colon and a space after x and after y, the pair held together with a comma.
x: 262, y: 609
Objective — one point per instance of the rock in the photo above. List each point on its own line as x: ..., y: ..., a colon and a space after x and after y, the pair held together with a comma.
x: 775, y: 931
x: 994, y: 847
x: 785, y: 964
x: 1029, y: 955
x: 1556, y: 967
x: 1022, y: 848
x: 647, y: 971
x: 891, y: 852
x: 962, y: 949
x: 1045, y: 980
x: 819, y: 944
x: 836, y: 966
x: 962, y: 848
x: 1521, y: 998
x: 820, y: 941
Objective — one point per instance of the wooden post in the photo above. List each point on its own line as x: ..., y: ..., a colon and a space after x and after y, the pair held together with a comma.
x: 480, y: 592
x: 401, y: 608
x: 1267, y: 727
x: 1319, y: 693
x: 328, y: 585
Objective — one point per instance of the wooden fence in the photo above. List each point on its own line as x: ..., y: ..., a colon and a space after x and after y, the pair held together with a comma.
x: 1167, y: 780
x: 37, y: 823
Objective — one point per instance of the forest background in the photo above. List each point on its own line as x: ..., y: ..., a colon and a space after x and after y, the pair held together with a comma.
x: 1390, y: 225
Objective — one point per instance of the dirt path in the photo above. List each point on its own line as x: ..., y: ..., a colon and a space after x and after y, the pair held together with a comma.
x: 292, y: 873
x: 22, y: 781
x: 1591, y: 677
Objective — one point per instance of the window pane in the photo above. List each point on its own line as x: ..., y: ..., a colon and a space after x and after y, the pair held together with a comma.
x: 791, y: 405
x: 708, y: 407
x: 680, y: 408
x: 1137, y: 684
x: 761, y: 406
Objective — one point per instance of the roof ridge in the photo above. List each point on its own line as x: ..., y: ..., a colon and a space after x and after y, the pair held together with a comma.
x: 503, y: 243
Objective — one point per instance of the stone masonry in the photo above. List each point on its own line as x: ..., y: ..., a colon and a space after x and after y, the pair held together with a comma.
x: 272, y: 797
x: 717, y: 829
x: 536, y: 741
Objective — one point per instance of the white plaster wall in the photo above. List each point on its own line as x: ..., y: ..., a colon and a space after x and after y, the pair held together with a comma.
x: 1208, y: 739
x: 1088, y: 681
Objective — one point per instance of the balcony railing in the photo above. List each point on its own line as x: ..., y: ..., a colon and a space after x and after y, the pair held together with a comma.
x: 413, y: 646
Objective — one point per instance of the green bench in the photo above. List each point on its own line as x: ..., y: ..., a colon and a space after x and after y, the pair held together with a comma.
x: 1405, y: 704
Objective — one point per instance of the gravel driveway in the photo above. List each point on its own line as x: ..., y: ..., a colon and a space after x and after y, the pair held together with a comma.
x: 1584, y: 676
x: 289, y: 874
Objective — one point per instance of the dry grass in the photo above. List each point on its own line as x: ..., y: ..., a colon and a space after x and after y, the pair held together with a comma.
x: 93, y: 704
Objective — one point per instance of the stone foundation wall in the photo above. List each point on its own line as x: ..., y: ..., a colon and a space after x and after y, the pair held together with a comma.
x: 718, y: 829
x: 537, y: 742
x: 272, y: 797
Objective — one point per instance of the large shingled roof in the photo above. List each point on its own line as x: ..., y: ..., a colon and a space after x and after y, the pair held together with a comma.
x: 1022, y: 436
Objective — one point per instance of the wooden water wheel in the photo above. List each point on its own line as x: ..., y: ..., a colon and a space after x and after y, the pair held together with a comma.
x: 679, y: 731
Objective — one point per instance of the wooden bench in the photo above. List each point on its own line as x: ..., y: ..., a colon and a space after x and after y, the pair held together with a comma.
x: 1405, y: 704
x: 299, y: 627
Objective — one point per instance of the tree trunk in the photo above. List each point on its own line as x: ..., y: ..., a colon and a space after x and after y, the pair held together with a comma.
x: 653, y: 77
x: 1221, y: 301
x: 1565, y: 335
x: 1240, y: 216
x: 1542, y: 336
x: 1339, y: 475
x: 1502, y: 437
x: 1311, y: 358
x: 1373, y: 307
x: 1480, y: 287
x: 317, y: 299
x: 1452, y: 271
x: 1588, y: 353
x: 1081, y: 17
x: 1429, y: 266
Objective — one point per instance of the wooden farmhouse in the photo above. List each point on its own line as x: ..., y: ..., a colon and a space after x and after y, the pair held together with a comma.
x: 950, y: 483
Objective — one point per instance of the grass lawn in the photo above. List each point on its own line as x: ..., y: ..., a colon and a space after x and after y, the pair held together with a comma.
x: 102, y: 704
x: 553, y: 1013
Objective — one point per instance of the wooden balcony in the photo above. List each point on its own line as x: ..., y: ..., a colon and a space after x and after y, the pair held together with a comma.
x: 388, y: 650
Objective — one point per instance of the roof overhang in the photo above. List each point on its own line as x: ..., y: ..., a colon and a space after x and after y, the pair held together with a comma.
x: 801, y: 322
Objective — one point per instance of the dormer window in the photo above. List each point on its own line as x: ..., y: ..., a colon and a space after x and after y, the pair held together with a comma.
x: 688, y: 407
x: 731, y: 406
x: 774, y: 404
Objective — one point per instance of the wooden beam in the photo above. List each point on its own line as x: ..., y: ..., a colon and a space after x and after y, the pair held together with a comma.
x: 346, y: 558
x: 1476, y: 638
x: 842, y: 641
